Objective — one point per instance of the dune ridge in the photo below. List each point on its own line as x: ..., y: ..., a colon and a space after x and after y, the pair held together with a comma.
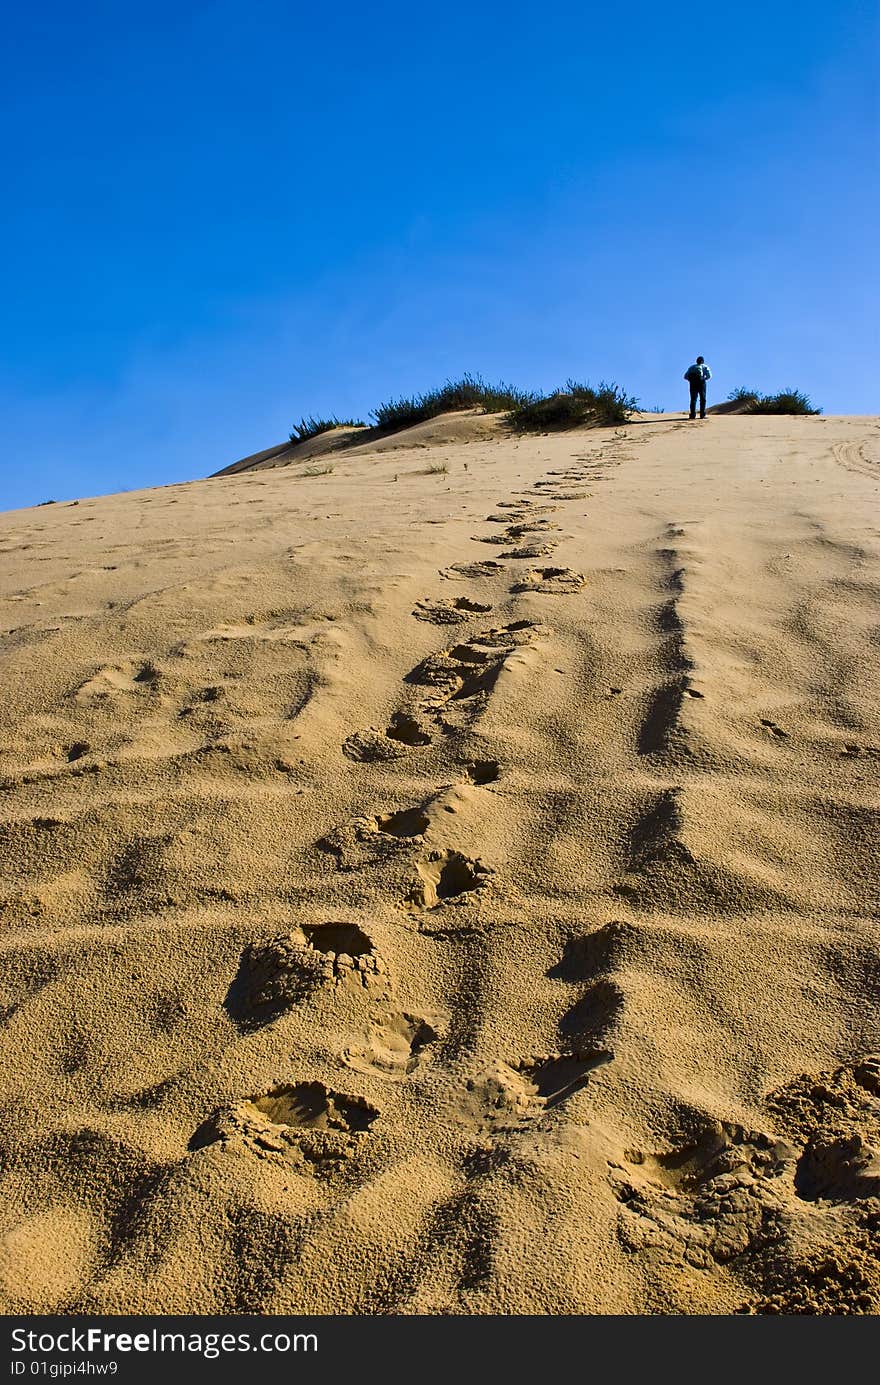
x: 448, y: 884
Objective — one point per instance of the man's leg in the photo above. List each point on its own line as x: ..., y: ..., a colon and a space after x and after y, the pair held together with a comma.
x: 694, y: 392
x: 702, y: 401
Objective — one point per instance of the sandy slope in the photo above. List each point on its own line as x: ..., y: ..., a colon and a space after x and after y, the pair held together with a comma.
x: 394, y: 922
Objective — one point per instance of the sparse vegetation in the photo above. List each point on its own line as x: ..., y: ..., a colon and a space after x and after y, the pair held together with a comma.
x: 743, y: 396
x: 440, y: 469
x: 312, y: 427
x: 785, y: 402
x: 575, y: 406
x: 470, y: 392
x: 317, y: 471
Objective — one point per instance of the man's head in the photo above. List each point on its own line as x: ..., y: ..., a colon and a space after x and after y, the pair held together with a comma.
x: 699, y: 360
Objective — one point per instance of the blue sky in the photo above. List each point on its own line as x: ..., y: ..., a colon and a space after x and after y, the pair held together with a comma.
x: 222, y: 217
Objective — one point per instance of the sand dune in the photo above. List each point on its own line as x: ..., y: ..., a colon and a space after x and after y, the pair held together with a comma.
x: 448, y: 890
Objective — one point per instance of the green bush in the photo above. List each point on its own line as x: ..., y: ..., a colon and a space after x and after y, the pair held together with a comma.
x: 576, y: 406
x: 312, y: 427
x: 785, y: 402
x: 470, y: 392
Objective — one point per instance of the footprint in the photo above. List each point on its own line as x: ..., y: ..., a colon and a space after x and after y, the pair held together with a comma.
x: 396, y: 1045
x: 844, y: 1168
x: 588, y: 954
x: 469, y: 670
x: 482, y: 771
x: 555, y: 581
x: 489, y: 568
x: 595, y: 1012
x: 446, y: 877
x: 402, y: 732
x: 407, y: 730
x: 519, y: 531
x: 557, y: 1076
x: 116, y: 679
x: 500, y: 1100
x: 409, y: 822
x: 305, y: 1122
x: 311, y: 1106
x: 368, y: 747
x: 458, y: 674
x: 339, y: 938
x: 661, y: 721
x: 835, y: 1116
x: 284, y: 971
x: 451, y: 612
x: 719, y: 1149
x: 775, y: 730
x: 530, y: 550
x: 521, y: 510
x: 367, y: 840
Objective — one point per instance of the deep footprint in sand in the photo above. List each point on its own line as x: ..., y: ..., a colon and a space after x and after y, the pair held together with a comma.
x: 304, y: 1122
x: 519, y: 531
x: 447, y: 877
x: 369, y: 839
x: 554, y: 581
x: 407, y: 823
x: 530, y: 550
x: 464, y: 675
x: 402, y: 733
x: 489, y: 568
x: 451, y: 612
x: 482, y: 771
x: 368, y: 747
x: 284, y: 971
x: 835, y: 1118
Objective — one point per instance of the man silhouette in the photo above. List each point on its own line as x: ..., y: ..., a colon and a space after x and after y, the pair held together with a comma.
x: 696, y: 376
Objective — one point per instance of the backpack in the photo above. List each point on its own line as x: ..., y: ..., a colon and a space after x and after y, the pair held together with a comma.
x: 694, y: 373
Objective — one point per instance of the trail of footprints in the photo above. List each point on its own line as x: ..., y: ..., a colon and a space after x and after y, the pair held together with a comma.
x: 308, y: 1123
x: 707, y: 1201
x: 714, y: 1196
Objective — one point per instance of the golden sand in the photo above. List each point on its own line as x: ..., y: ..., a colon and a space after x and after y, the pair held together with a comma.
x: 447, y: 883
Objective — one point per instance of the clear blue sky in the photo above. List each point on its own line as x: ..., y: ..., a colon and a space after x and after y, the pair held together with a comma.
x: 220, y: 217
